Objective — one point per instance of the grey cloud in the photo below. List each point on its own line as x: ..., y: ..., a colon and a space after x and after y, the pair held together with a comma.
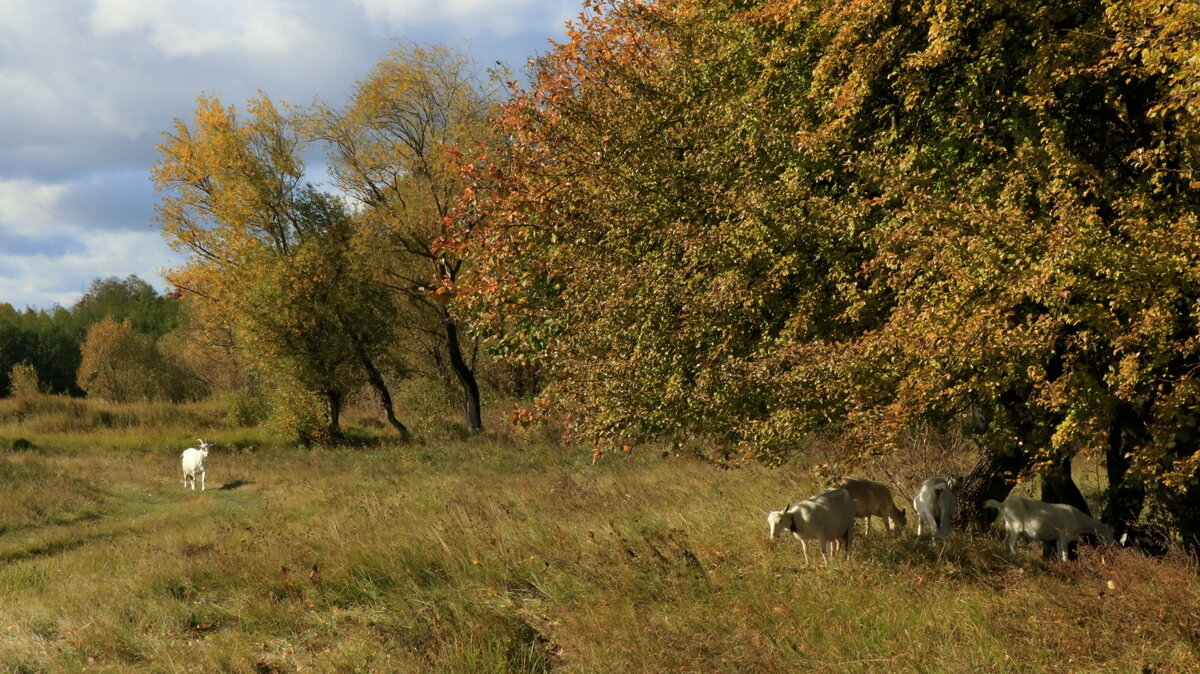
x: 84, y: 107
x: 121, y: 199
x: 51, y: 246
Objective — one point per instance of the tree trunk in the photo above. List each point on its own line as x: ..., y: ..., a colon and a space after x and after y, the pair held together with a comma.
x: 465, y: 376
x: 1125, y: 499
x: 992, y: 477
x: 1185, y: 511
x: 385, y: 396
x: 334, y: 400
x: 1059, y: 487
x: 1184, y: 508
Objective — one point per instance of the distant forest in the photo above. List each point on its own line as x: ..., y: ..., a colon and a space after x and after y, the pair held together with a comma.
x: 51, y: 340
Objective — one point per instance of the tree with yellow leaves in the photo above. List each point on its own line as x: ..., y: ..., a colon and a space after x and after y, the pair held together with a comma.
x: 274, y: 260
x: 746, y: 220
x: 122, y: 365
x: 395, y: 150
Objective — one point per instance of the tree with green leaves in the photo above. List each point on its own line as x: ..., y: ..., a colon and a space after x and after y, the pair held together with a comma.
x: 131, y: 299
x: 49, y: 340
x: 750, y: 220
x: 394, y: 150
x: 277, y: 262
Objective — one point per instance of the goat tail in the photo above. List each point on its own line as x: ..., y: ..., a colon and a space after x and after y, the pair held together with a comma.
x: 991, y: 503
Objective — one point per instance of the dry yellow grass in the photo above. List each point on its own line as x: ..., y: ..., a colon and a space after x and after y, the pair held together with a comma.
x: 499, y: 555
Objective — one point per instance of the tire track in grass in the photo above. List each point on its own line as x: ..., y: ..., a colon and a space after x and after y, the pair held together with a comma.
x: 140, y: 511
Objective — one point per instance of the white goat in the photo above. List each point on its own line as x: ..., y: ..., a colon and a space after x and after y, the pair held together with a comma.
x: 934, y: 505
x: 873, y: 499
x: 195, y: 462
x: 1041, y: 521
x: 828, y: 516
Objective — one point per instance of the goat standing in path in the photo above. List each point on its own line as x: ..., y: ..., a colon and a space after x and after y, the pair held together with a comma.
x: 195, y: 461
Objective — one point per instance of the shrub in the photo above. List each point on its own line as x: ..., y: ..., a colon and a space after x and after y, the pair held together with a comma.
x: 121, y: 365
x: 23, y: 380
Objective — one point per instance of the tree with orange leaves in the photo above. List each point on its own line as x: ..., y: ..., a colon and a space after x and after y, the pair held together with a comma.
x: 750, y: 219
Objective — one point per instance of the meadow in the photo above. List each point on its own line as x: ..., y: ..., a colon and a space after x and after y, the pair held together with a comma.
x: 507, y: 552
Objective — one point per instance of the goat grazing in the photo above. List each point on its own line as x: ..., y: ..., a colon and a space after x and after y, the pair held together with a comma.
x: 873, y: 499
x: 195, y: 462
x: 828, y: 516
x: 934, y: 505
x: 1041, y: 521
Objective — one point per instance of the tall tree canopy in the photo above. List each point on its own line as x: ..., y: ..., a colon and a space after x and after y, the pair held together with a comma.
x: 274, y: 260
x: 394, y: 150
x: 330, y: 290
x: 750, y: 219
x: 131, y: 299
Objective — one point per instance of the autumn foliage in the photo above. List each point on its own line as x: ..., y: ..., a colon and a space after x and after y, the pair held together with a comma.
x: 744, y: 221
x: 321, y: 293
x: 274, y: 263
x: 122, y: 365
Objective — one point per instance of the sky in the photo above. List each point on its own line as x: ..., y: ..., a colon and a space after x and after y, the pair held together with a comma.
x: 87, y: 88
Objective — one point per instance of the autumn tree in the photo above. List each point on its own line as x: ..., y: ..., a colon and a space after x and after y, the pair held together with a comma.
x: 122, y: 365
x: 393, y: 150
x: 749, y: 220
x: 208, y: 350
x: 24, y: 381
x: 638, y: 242
x: 273, y: 260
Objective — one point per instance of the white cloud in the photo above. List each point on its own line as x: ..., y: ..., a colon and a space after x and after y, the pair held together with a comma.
x: 499, y: 17
x: 88, y: 86
x: 195, y: 29
x: 108, y: 200
x: 43, y: 280
x: 120, y: 254
x: 28, y: 208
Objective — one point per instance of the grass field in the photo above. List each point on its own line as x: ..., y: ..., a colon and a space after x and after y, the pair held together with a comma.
x: 500, y: 553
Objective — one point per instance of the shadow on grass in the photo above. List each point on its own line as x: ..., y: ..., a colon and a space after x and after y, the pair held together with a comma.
x: 234, y: 484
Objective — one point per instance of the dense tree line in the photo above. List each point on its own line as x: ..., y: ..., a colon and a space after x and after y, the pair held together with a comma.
x: 52, y: 340
x: 749, y: 220
x: 322, y: 293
